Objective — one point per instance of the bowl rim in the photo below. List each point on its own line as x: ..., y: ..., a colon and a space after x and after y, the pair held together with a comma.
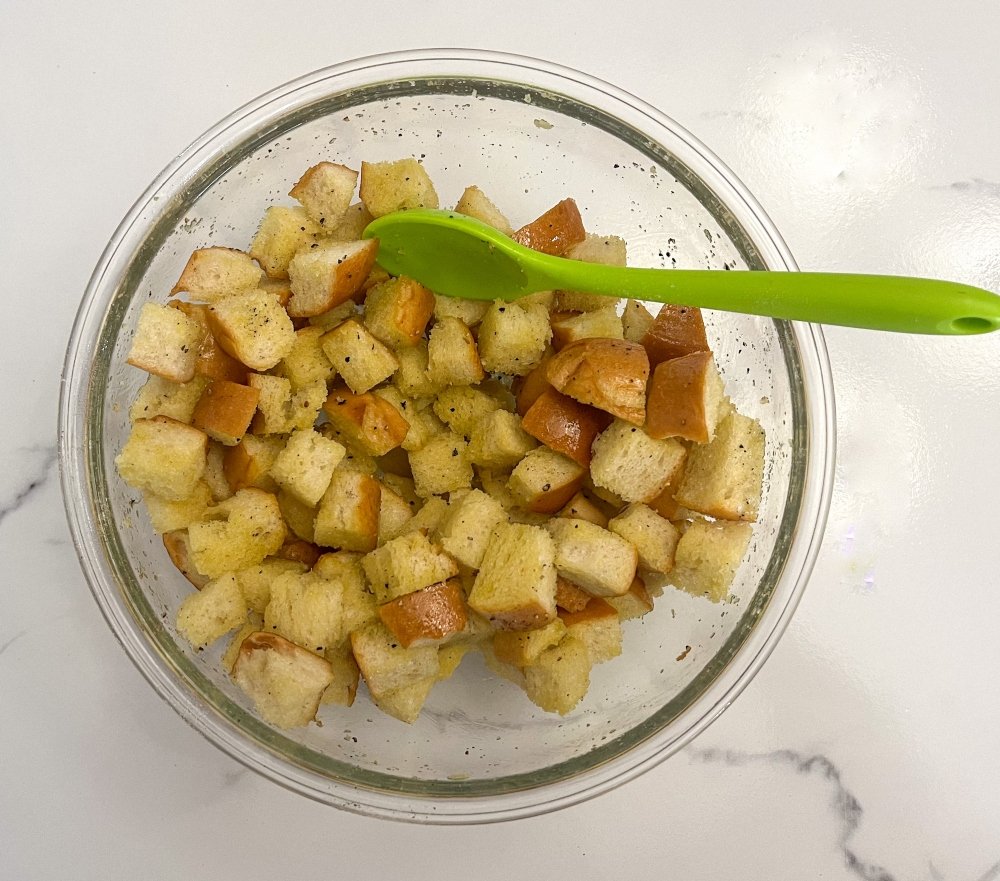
x: 717, y: 696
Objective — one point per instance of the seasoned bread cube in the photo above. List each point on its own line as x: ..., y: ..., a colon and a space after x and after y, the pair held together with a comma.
x: 178, y: 547
x: 636, y: 320
x: 523, y: 647
x: 450, y: 656
x: 513, y: 339
x: 594, y: 559
x: 565, y: 425
x: 326, y: 275
x: 255, y: 581
x: 285, y: 681
x: 307, y: 363
x: 555, y: 232
x: 570, y: 597
x: 544, y: 480
x: 598, y: 627
x: 462, y: 408
x: 494, y: 484
x: 344, y: 687
x: 634, y: 604
x: 213, y: 361
x: 161, y: 397
x: 676, y: 331
x: 224, y: 411
x: 441, y: 465
x: 406, y: 703
x: 348, y: 513
x: 168, y: 515
x: 515, y: 588
x: 385, y: 664
x: 468, y: 525
x: 499, y: 441
x: 632, y: 465
x: 352, y: 225
x: 249, y: 462
x: 279, y: 410
x: 397, y: 311
x: 412, y: 378
x: 252, y: 327
x: 580, y: 507
x: 606, y: 250
x: 686, y: 398
x: 654, y: 537
x: 213, y: 611
x: 166, y: 343
x: 299, y: 517
x: 396, y: 461
x: 396, y: 186
x: 360, y: 359
x: 215, y: 476
x: 367, y: 421
x: 305, y: 465
x: 325, y: 191
x: 469, y: 312
x: 232, y: 652
x: 724, y: 478
x: 559, y: 679
x: 608, y: 374
x: 423, y: 424
x: 358, y: 600
x: 568, y: 327
x: 332, y: 317
x: 242, y: 532
x: 427, y: 616
x: 283, y: 232
x: 474, y: 203
x: 406, y: 564
x: 306, y: 609
x: 708, y: 555
x: 280, y: 287
x: 213, y: 273
x: 164, y: 457
x: 452, y: 356
x: 428, y: 518
x: 529, y: 388
x: 393, y: 513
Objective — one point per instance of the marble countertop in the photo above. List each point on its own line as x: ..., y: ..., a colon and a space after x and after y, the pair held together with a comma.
x: 867, y: 747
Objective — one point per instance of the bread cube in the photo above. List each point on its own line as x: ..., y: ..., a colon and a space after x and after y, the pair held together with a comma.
x: 499, y: 441
x: 224, y: 411
x: 393, y: 513
x: 427, y: 616
x: 385, y: 664
x: 452, y: 356
x: 708, y: 555
x: 598, y: 627
x: 326, y: 274
x: 412, y: 378
x: 428, y: 519
x: 462, y: 408
x: 213, y: 361
x: 423, y: 424
x: 406, y: 703
x: 580, y: 507
x: 283, y: 232
x: 255, y: 581
x: 397, y: 311
x: 252, y: 327
x: 406, y: 564
x: 299, y: 517
x: 214, y: 476
x: 325, y: 191
x: 164, y: 457
x: 515, y: 588
x: 609, y: 502
x: 344, y: 687
x: 213, y: 273
x: 285, y: 681
x: 513, y: 339
x: 305, y: 465
x: 634, y: 604
x: 568, y: 327
x: 565, y: 425
x: 161, y: 397
x: 280, y: 288
x: 367, y: 421
x: 348, y: 513
x: 594, y: 559
x: 636, y: 321
x: 166, y: 343
x: 249, y: 462
x: 253, y: 624
x: 529, y: 388
x: 523, y: 647
x: 396, y: 186
x: 570, y: 597
x: 608, y: 374
x: 559, y: 679
x: 724, y: 478
x: 307, y: 610
x: 469, y: 312
x: 450, y: 656
x: 360, y: 359
x: 468, y: 525
x: 686, y: 398
x: 178, y: 547
x: 168, y: 515
x: 358, y: 600
x: 544, y: 480
x: 634, y: 466
x: 474, y: 203
x: 654, y: 537
x: 307, y: 363
x: 676, y: 331
x: 352, y: 225
x: 299, y: 550
x: 213, y: 611
x: 242, y: 531
x: 555, y: 232
x: 441, y: 465
x: 332, y: 317
x: 606, y: 250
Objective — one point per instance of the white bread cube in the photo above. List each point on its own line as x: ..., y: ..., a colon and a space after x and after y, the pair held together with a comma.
x: 466, y: 529
x: 249, y: 463
x: 348, y: 513
x: 513, y: 339
x: 213, y: 361
x: 499, y: 441
x: 428, y: 518
x: 474, y: 203
x: 636, y: 320
x: 470, y: 312
x: 396, y: 186
x: 164, y: 457
x: 161, y: 397
x: 213, y: 273
x: 594, y: 559
x: 281, y: 411
x: 632, y: 465
x: 285, y: 681
x: 358, y: 600
x: 406, y: 703
x: 360, y: 359
x: 352, y: 225
x: 346, y: 675
x: 307, y: 363
x: 406, y: 564
x: 634, y: 604
x: 523, y: 647
x: 252, y: 327
x: 307, y: 610
x: 177, y: 544
x: 654, y: 537
x: 569, y: 327
x: 393, y: 513
x: 305, y: 465
x: 213, y: 611
x: 428, y: 616
x: 599, y: 628
x: 441, y: 465
x: 515, y: 588
x: 724, y: 478
x: 606, y: 250
x: 462, y: 408
x: 385, y: 664
x: 559, y: 679
x: 255, y: 581
x: 544, y: 480
x: 404, y: 486
x: 283, y: 232
x: 412, y: 378
x: 332, y: 317
x: 215, y: 473
x: 452, y: 356
x: 167, y: 515
x: 397, y: 311
x: 327, y: 274
x: 708, y: 555
x: 580, y: 507
x: 423, y: 424
x: 166, y: 343
x: 494, y: 484
x: 325, y: 191
x: 242, y: 531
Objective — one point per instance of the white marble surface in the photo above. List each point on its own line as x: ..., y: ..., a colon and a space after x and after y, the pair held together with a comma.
x: 867, y: 748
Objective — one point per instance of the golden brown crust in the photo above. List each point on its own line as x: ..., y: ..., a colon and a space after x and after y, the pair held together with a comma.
x: 178, y: 548
x: 569, y: 597
x: 344, y: 278
x: 527, y: 389
x: 676, y: 331
x: 428, y: 615
x: 555, y: 232
x: 224, y: 410
x: 596, y: 609
x: 299, y: 551
x: 565, y: 425
x: 608, y: 374
x: 213, y: 361
x: 368, y: 420
x: 675, y: 406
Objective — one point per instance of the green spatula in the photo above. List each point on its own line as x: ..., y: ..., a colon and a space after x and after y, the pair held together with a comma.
x: 462, y: 257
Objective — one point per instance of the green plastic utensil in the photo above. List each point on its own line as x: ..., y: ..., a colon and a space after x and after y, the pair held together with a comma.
x: 462, y: 257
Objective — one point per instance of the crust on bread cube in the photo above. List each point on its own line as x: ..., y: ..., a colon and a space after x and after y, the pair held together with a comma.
x: 406, y: 564
x: 634, y: 604
x: 676, y: 331
x: 513, y: 339
x: 168, y: 515
x: 305, y: 465
x: 385, y: 664
x: 598, y: 627
x: 367, y: 421
x: 441, y: 465
x: 237, y: 533
x: 344, y: 687
x: 475, y: 203
x: 327, y: 274
x: 580, y: 507
x: 606, y: 250
x: 213, y: 273
x: 393, y: 513
x: 412, y: 378
x: 544, y: 480
x: 249, y: 462
x: 213, y: 611
x: 515, y: 588
x: 522, y: 647
x: 307, y: 363
x: 177, y: 544
x: 284, y: 680
x: 568, y: 327
x: 224, y: 411
x: 555, y: 231
x: 213, y: 361
x: 594, y: 559
x: 299, y: 550
x: 636, y: 320
x: 499, y: 441
x: 632, y: 465
x: 654, y: 537
x: 255, y: 581
x: 463, y: 407
x: 565, y: 425
x: 708, y: 555
x: 559, y: 679
x: 252, y: 327
x: 686, y: 398
x: 569, y: 597
x: 452, y: 356
x: 530, y: 387
x: 232, y: 652
x: 396, y: 186
x: 166, y: 343
x: 325, y: 191
x: 469, y: 312
x: 423, y: 424
x: 164, y: 457
x: 397, y: 311
x: 348, y: 513
x: 428, y: 616
x: 307, y: 610
x: 466, y: 528
x: 283, y: 231
x: 161, y: 397
x: 608, y: 374
x: 360, y: 359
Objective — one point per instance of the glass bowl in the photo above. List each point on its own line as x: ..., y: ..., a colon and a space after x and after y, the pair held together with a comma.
x: 530, y: 133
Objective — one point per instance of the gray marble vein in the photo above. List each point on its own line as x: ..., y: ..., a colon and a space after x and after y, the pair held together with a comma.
x: 992, y: 873
x: 31, y: 484
x: 973, y: 185
x: 12, y: 640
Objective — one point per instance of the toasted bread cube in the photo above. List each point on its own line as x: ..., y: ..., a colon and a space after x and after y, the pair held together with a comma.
x: 555, y: 232
x: 441, y: 465
x: 636, y: 321
x: 393, y: 514
x: 474, y: 203
x: 361, y: 360
x: 307, y: 363
x: 352, y: 225
x: 654, y: 537
x: 283, y: 231
x: 676, y: 331
x: 224, y: 411
x: 565, y: 425
x: 178, y: 547
x: 213, y: 361
x: 406, y: 703
x: 466, y: 529
x: 494, y: 484
x: 273, y: 404
x: 568, y: 327
x: 708, y: 555
x: 529, y: 388
x: 608, y: 374
x: 594, y: 559
x: 327, y: 274
x: 523, y: 647
x: 428, y: 519
x: 253, y: 624
x: 598, y: 627
x: 569, y: 597
x: 498, y: 667
x: 249, y: 462
x: 427, y: 616
x: 325, y: 191
x: 164, y: 457
x: 469, y: 312
x: 634, y: 604
x: 213, y: 611
x: 242, y: 532
x: 499, y: 441
x: 305, y: 465
x: 358, y: 600
x: 168, y: 515
x: 452, y: 356
x: 281, y: 288
x: 397, y: 311
x: 306, y: 609
x: 284, y: 680
x: 606, y: 250
x: 406, y: 564
x: 299, y: 517
x: 580, y: 507
x: 215, y: 475
x: 422, y: 421
x: 332, y: 317
x: 610, y: 503
x: 367, y: 421
x: 685, y: 398
x: 252, y: 327
x: 346, y: 675
x: 513, y: 339
x: 633, y: 465
x: 723, y: 479
x: 559, y: 679
x: 385, y: 664
x: 450, y: 656
x: 396, y: 461
x: 213, y: 273
x: 348, y: 514
x: 299, y: 550
x: 396, y: 186
x: 515, y: 588
x: 161, y: 397
x: 355, y: 460
x: 412, y: 378
x: 545, y: 480
x: 255, y: 581
x: 166, y: 343
x: 462, y: 408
